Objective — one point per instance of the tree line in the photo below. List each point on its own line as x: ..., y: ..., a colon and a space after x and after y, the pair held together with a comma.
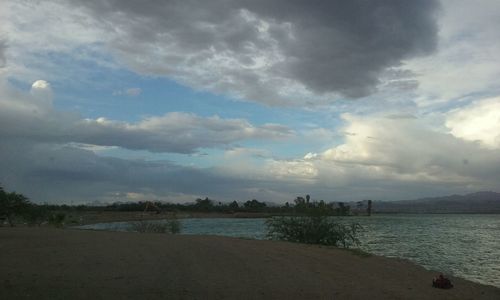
x: 300, y: 205
x: 15, y: 205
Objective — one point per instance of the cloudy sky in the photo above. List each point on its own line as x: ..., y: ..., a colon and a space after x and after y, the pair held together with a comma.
x: 122, y: 100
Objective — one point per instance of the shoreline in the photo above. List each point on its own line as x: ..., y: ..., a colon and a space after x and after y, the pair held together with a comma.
x: 87, y: 218
x: 47, y: 263
x: 94, y: 217
x: 79, y: 218
x: 357, y: 250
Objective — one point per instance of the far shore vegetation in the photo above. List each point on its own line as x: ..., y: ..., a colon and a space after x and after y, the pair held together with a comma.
x: 304, y: 221
x: 15, y: 207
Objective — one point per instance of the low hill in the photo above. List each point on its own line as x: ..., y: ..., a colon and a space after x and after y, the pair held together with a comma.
x: 480, y: 202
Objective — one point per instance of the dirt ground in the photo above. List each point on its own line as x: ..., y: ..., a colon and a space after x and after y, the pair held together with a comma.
x: 45, y: 263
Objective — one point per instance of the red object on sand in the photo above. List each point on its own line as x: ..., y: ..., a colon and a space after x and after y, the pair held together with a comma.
x: 442, y: 282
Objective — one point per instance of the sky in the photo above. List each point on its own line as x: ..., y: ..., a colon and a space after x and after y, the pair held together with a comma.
x: 107, y: 100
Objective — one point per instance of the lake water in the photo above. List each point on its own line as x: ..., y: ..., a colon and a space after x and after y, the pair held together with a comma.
x: 466, y: 246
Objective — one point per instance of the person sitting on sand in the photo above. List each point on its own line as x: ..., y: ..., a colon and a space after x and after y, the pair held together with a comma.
x: 442, y: 282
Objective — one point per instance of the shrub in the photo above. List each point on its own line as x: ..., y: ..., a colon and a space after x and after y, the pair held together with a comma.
x: 57, y: 219
x: 321, y: 230
x: 36, y: 214
x: 174, y: 226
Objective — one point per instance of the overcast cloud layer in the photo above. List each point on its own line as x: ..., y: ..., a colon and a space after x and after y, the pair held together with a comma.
x: 388, y: 157
x: 274, y: 52
x: 2, y: 53
x: 404, y: 98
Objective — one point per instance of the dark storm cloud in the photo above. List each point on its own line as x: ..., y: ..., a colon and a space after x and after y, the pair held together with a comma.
x: 259, y: 49
x: 344, y: 45
x: 60, y: 174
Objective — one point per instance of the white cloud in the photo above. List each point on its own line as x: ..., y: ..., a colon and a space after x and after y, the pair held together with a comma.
x: 467, y: 62
x: 478, y: 121
x: 53, y: 155
x: 393, y: 157
x: 32, y: 117
x: 36, y: 30
x: 408, y: 146
x: 310, y: 155
x: 131, y: 92
x: 380, y: 158
x: 295, y: 170
x: 40, y: 85
x: 42, y: 92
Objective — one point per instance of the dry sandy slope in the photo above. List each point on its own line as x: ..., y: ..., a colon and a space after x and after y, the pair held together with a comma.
x: 42, y: 263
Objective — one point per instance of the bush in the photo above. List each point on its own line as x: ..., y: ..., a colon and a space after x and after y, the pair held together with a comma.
x: 57, y: 219
x: 12, y: 205
x: 174, y: 226
x: 321, y: 230
x: 169, y: 226
x: 36, y: 214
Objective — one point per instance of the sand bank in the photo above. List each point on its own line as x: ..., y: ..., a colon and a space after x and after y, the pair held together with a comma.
x: 44, y: 263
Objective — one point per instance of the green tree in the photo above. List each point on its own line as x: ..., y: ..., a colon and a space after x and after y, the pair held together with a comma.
x: 12, y: 204
x: 234, y: 206
x: 204, y: 204
x: 343, y: 210
x: 300, y: 204
x: 254, y: 205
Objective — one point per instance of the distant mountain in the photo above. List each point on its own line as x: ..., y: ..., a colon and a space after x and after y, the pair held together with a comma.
x: 480, y: 202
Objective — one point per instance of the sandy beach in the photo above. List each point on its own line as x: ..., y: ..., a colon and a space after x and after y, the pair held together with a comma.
x: 46, y: 263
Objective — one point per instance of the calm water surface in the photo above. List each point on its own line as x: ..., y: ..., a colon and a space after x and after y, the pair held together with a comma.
x: 467, y: 246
